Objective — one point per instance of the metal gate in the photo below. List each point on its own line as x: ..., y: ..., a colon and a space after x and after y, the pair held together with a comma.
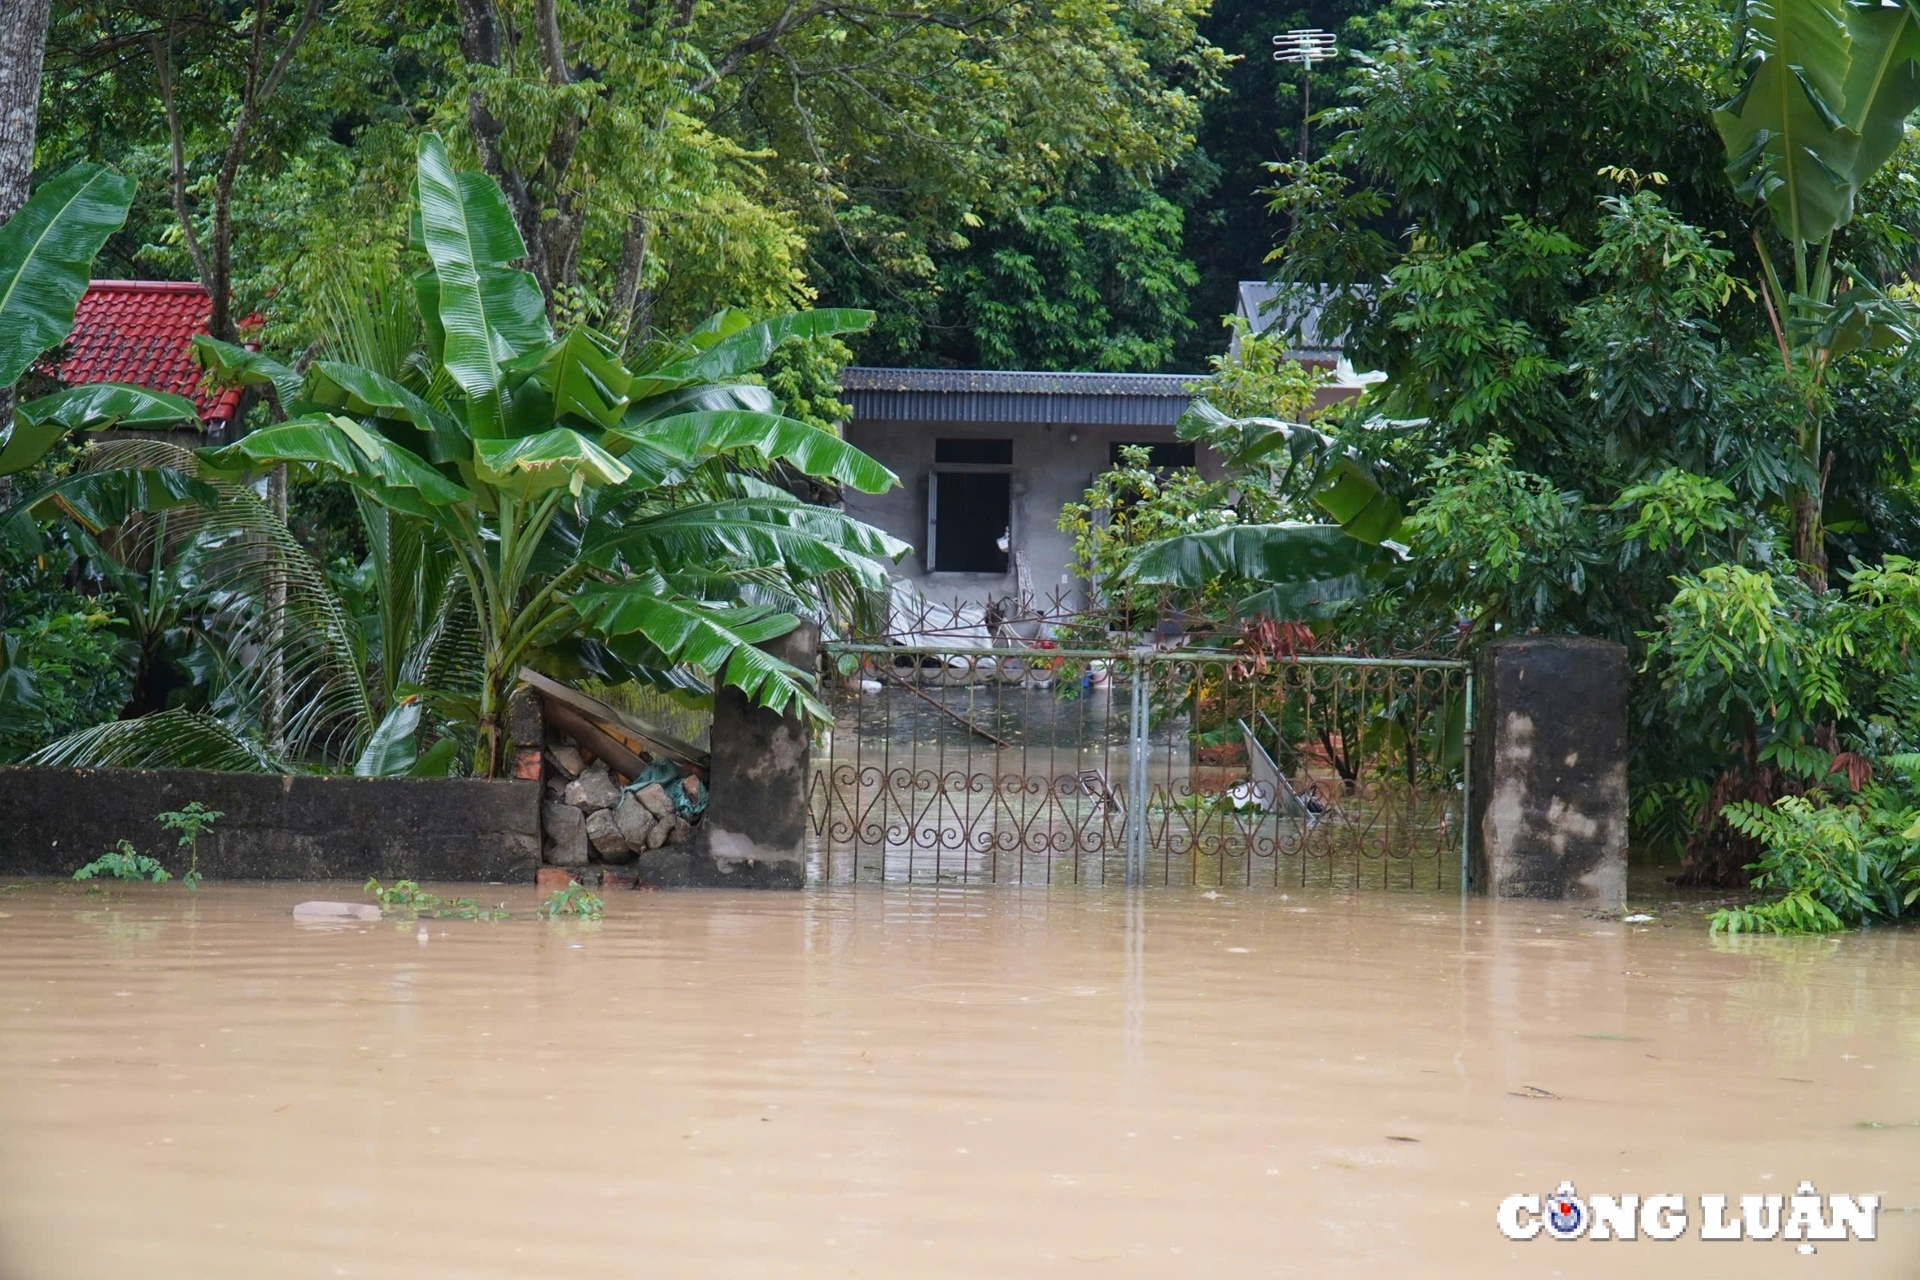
x: 1039, y: 765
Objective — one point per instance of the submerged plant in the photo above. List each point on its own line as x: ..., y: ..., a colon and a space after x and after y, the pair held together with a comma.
x: 572, y: 901
x: 124, y: 862
x: 408, y: 900
x: 190, y: 822
x: 1836, y: 866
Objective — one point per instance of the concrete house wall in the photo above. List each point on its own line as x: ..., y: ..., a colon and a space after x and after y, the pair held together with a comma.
x: 1062, y: 426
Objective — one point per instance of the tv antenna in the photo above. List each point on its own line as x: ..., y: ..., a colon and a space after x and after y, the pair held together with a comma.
x: 1305, y: 46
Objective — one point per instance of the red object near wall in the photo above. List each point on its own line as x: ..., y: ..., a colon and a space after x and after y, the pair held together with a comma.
x: 141, y: 332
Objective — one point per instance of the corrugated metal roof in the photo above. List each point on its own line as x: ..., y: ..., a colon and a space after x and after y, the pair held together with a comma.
x: 1263, y: 303
x: 1022, y: 382
x: 1000, y: 395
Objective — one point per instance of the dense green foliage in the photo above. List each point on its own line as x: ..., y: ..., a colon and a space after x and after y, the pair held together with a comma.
x: 526, y: 495
x: 661, y: 161
x: 1626, y: 365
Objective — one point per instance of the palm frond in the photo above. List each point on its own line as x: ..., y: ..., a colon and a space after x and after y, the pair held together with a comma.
x: 164, y: 740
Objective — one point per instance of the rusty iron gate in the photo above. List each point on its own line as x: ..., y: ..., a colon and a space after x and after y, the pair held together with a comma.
x: 1187, y: 767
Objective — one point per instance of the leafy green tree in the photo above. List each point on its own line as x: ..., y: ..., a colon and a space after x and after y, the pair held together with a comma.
x: 1823, y: 105
x: 596, y: 512
x: 1064, y: 287
x: 1128, y: 508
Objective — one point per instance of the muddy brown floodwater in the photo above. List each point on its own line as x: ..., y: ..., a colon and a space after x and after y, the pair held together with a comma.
x: 909, y: 1083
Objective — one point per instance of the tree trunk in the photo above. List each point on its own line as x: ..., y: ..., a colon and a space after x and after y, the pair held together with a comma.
x: 1810, y: 531
x: 1809, y: 541
x: 276, y: 696
x: 23, y: 48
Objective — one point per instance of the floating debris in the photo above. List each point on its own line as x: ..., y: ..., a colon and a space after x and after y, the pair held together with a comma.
x: 336, y: 911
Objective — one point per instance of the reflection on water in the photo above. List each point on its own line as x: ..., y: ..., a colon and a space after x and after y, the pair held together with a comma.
x: 924, y: 1083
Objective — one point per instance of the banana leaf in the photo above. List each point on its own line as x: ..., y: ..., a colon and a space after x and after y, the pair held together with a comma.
x: 364, y: 393
x: 46, y: 259
x: 579, y: 375
x: 696, y: 437
x: 807, y: 541
x: 716, y: 641
x: 558, y: 459
x: 103, y: 499
x: 704, y: 397
x: 1882, y: 87
x: 234, y: 366
x: 1308, y: 566
x: 37, y: 424
x: 1788, y: 140
x: 343, y: 448
x: 487, y: 310
x: 1311, y: 462
x: 394, y: 747
x: 748, y: 348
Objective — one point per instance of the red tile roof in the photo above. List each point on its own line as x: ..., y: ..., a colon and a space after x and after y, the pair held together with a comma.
x: 141, y: 331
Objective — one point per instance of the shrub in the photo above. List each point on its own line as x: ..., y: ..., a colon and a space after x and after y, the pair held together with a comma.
x: 1835, y: 865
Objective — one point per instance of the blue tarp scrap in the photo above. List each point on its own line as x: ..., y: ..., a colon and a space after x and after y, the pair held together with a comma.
x: 668, y: 776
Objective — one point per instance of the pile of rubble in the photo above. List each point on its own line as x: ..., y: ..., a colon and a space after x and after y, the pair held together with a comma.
x: 596, y: 818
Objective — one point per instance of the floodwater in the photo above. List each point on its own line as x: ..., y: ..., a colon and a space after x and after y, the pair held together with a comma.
x: 926, y: 1082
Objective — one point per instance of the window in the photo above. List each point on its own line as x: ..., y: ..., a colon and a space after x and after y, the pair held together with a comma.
x: 995, y: 453
x: 970, y: 506
x: 1161, y: 457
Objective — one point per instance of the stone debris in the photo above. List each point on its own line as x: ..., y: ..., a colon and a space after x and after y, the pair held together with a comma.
x: 594, y: 788
x: 655, y: 797
x: 336, y: 911
x: 606, y: 837
x: 591, y: 822
x: 566, y: 835
x: 636, y: 823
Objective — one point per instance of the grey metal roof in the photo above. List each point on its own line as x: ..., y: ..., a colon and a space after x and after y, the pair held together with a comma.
x: 868, y: 378
x: 1262, y: 303
x: 999, y: 395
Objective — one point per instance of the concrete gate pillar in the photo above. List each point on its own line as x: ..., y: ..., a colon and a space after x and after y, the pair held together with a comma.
x: 1550, y: 770
x: 754, y: 835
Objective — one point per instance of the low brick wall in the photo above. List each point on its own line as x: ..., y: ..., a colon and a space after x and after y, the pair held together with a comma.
x: 276, y: 828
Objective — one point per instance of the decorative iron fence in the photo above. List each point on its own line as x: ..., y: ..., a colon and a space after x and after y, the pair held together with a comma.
x: 1034, y: 764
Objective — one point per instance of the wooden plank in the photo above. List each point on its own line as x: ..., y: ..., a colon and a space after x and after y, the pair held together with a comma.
x: 623, y: 722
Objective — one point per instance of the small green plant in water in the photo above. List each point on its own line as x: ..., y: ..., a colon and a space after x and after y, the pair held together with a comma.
x: 572, y: 901
x: 1835, y: 865
x: 191, y: 822
x: 408, y: 900
x: 124, y: 862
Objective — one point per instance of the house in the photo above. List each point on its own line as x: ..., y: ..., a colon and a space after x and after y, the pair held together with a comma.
x: 1260, y: 304
x: 987, y: 459
x: 141, y: 332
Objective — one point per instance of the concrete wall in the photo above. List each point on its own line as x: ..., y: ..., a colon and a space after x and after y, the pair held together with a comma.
x: 1550, y: 770
x: 276, y: 828
x: 755, y: 832
x: 1052, y: 465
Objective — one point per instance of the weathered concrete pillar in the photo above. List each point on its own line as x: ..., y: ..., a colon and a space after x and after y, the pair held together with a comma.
x: 755, y: 832
x: 1550, y: 770
x: 527, y: 726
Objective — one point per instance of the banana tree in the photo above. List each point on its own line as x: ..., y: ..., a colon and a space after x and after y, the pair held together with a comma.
x: 1826, y: 89
x: 46, y: 256
x: 1296, y: 567
x: 613, y: 514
